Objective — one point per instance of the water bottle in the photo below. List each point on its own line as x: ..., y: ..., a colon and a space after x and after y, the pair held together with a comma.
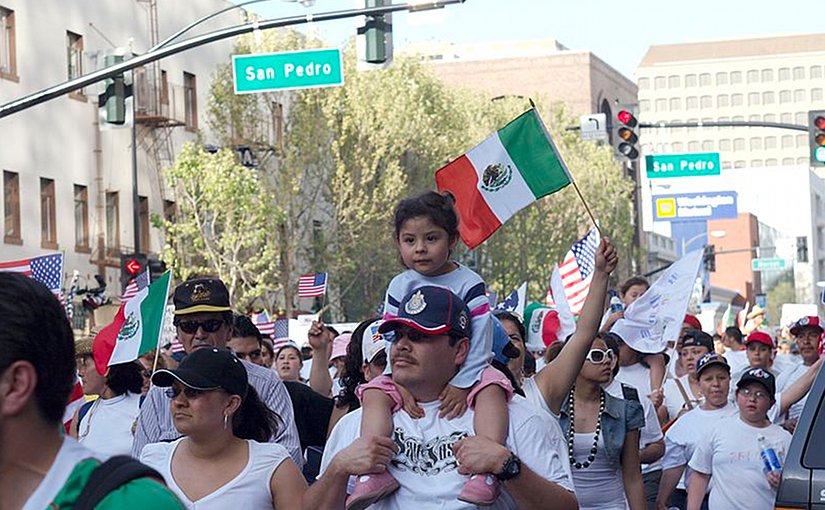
x: 615, y: 303
x: 770, y: 460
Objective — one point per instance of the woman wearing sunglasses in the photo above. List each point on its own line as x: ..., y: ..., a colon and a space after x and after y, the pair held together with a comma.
x: 603, y: 435
x: 224, y: 459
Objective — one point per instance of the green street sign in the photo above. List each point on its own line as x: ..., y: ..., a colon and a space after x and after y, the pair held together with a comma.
x: 768, y: 264
x: 287, y: 70
x: 682, y: 165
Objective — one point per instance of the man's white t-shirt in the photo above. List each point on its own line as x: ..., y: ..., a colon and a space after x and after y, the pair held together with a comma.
x: 674, y: 400
x: 425, y: 465
x: 731, y: 456
x: 689, y: 430
x: 785, y: 381
x: 737, y: 360
x: 106, y: 427
x: 70, y: 454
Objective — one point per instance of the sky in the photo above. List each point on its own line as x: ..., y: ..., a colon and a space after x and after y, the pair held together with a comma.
x: 618, y: 32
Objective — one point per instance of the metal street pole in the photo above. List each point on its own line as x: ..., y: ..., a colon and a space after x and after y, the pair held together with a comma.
x: 166, y: 51
x: 135, y: 198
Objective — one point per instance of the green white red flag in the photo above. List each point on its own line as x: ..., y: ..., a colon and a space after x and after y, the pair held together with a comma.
x: 512, y: 168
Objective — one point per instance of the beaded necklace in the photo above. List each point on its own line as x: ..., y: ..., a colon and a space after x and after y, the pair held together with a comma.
x: 571, y: 433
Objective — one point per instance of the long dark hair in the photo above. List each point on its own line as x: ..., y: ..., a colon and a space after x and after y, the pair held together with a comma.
x: 353, y: 376
x: 254, y: 420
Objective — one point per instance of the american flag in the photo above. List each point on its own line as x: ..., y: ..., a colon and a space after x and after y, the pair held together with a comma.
x: 46, y: 269
x: 312, y: 285
x: 134, y: 286
x: 281, y: 328
x: 577, y: 270
x: 264, y: 324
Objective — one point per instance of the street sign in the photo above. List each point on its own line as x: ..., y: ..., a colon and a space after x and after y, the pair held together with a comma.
x: 593, y: 126
x: 711, y: 205
x: 772, y: 264
x: 287, y: 70
x: 682, y: 165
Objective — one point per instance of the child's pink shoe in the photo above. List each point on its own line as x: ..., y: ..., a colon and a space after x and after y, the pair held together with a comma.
x: 480, y: 489
x: 370, y: 488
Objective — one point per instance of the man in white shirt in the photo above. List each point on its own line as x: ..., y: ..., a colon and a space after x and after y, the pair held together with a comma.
x: 806, y: 332
x: 430, y: 456
x: 735, y: 352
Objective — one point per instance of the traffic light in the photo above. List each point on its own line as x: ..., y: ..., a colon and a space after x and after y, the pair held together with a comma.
x: 802, y: 249
x: 625, y: 135
x: 131, y: 265
x: 377, y: 33
x: 156, y: 269
x: 113, y: 100
x: 710, y: 258
x: 816, y: 137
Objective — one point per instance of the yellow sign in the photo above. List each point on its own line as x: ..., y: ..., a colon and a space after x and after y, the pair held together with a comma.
x: 666, y: 207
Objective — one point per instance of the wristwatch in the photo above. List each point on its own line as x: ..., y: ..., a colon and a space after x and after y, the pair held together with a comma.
x: 510, y: 469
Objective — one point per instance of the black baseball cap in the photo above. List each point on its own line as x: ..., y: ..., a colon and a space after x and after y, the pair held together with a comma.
x: 761, y: 376
x: 697, y: 338
x: 433, y: 311
x: 207, y: 369
x: 711, y: 359
x: 201, y: 295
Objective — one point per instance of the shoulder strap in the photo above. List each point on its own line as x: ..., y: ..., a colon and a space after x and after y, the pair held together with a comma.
x: 684, y: 393
x: 83, y: 410
x: 109, y: 476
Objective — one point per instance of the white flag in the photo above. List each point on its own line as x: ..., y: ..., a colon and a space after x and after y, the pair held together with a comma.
x: 567, y: 323
x: 656, y: 318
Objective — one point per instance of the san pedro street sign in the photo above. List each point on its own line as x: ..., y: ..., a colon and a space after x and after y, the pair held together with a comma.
x: 682, y: 165
x: 772, y: 264
x: 287, y: 70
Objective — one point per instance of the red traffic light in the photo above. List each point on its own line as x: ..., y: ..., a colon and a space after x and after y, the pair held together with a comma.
x: 133, y: 267
x: 819, y: 122
x: 625, y: 117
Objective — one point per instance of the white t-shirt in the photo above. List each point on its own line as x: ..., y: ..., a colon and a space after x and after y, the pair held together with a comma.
x: 731, y: 456
x: 689, y: 430
x: 106, y: 427
x: 738, y: 361
x: 785, y: 381
x: 70, y: 453
x: 784, y: 362
x: 674, y: 401
x: 599, y: 486
x: 651, y: 432
x: 636, y: 375
x: 425, y: 466
x: 248, y: 490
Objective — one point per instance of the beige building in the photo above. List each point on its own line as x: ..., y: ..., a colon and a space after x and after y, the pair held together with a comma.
x: 774, y: 79
x: 579, y: 79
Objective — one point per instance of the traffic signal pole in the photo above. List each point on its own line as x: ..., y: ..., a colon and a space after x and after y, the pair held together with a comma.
x: 165, y: 51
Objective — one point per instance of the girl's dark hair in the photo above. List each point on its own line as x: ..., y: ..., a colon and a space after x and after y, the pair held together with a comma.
x: 630, y: 282
x: 435, y: 206
x: 289, y: 346
x: 125, y: 377
x: 612, y: 342
x: 254, y: 420
x: 352, y: 363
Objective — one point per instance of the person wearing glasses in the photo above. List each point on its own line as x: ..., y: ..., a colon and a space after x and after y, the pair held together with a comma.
x: 603, y: 434
x: 203, y: 319
x: 224, y: 459
x: 731, y: 452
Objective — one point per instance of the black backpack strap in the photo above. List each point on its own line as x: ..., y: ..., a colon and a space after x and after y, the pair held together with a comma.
x: 82, y: 412
x: 111, y: 475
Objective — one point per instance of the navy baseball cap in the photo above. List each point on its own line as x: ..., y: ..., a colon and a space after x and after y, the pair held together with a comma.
x: 432, y: 311
x: 709, y: 360
x: 761, y: 376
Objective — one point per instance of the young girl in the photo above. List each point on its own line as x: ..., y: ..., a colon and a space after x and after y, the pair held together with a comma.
x: 426, y: 232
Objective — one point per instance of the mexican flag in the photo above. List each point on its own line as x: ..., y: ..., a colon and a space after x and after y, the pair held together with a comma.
x: 136, y: 327
x: 508, y: 171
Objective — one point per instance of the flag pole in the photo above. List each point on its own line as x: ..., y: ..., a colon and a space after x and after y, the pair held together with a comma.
x: 567, y: 170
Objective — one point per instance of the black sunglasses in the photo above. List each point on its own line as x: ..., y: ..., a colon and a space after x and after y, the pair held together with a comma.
x: 190, y: 393
x: 190, y: 327
x: 248, y: 355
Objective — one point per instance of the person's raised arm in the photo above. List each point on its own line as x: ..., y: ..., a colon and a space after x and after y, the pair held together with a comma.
x: 556, y: 379
x: 319, y: 339
x: 799, y: 388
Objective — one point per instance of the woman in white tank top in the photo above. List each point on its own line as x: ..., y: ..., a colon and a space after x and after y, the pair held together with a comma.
x: 225, y: 460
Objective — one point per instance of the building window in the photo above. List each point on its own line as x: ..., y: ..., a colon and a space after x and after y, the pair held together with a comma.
x: 770, y: 162
x: 784, y: 74
x: 735, y: 77
x: 767, y: 75
x: 704, y: 79
x: 170, y: 210
x: 786, y: 118
x: 690, y: 80
x: 802, y: 161
x: 769, y: 117
x: 801, y: 118
x: 644, y: 83
x: 756, y: 143
x: 11, y: 207
x: 721, y: 78
x: 816, y: 94
x: 674, y: 81
x: 754, y: 118
x: 799, y: 96
x: 738, y: 118
x: 787, y: 161
x: 190, y: 97
x: 112, y: 224
x: 770, y: 142
x: 736, y: 100
x: 799, y: 73
x: 706, y: 102
x: 693, y: 146
x: 677, y: 147
x: 644, y: 105
x: 753, y: 99
x: 787, y: 142
x: 815, y: 72
x: 661, y: 105
x: 726, y: 165
x: 768, y: 97
x: 81, y: 217
x: 756, y: 163
x: 658, y: 82
x: 48, y: 215
x: 707, y: 145
x: 739, y: 164
x: 164, y: 88
x: 8, y: 45
x: 724, y: 144
x: 784, y: 96
x: 74, y: 53
x: 738, y: 144
x: 801, y: 140
x: 692, y: 103
x: 722, y: 100
x: 143, y: 223
x: 752, y: 76
x: 675, y: 104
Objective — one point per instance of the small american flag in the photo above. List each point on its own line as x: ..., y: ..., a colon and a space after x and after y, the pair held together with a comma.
x: 281, y: 328
x: 47, y: 269
x: 312, y: 285
x: 134, y: 286
x: 177, y: 346
x: 264, y: 324
x: 577, y: 270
